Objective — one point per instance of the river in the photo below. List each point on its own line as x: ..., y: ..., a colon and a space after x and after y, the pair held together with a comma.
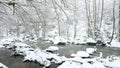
x: 17, y: 62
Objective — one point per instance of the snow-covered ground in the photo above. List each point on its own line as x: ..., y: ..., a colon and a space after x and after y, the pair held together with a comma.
x: 1, y: 46
x: 91, y: 40
x: 97, y: 62
x: 115, y: 43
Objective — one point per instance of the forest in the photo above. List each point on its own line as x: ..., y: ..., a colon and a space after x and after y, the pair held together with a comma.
x: 59, y: 33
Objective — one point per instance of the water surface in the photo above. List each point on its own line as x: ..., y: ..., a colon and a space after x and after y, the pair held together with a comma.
x: 17, y: 62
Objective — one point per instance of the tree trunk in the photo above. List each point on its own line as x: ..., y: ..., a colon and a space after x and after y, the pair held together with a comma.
x: 75, y: 19
x: 119, y: 20
x: 113, y: 23
x: 89, y: 32
x: 102, y: 13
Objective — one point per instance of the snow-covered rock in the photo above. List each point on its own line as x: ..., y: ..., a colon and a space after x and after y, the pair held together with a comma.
x: 37, y: 56
x: 43, y: 57
x: 30, y: 56
x: 16, y: 39
x: 78, y: 62
x: 70, y: 64
x: 52, y: 48
x: 82, y: 54
x: 87, y: 65
x: 73, y: 55
x: 21, y: 48
x: 19, y: 44
x: 8, y: 42
x: 91, y: 50
x: 3, y: 66
x: 91, y: 41
x: 59, y: 40
x: 114, y: 64
x: 53, y: 57
x: 97, y: 64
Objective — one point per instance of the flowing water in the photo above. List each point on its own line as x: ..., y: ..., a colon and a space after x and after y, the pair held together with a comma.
x: 17, y: 62
x: 71, y: 49
x: 13, y: 62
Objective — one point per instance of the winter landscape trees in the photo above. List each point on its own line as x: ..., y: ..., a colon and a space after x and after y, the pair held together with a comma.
x: 46, y: 24
x: 39, y: 18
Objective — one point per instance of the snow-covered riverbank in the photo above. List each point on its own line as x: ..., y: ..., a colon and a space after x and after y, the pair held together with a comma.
x: 47, y: 57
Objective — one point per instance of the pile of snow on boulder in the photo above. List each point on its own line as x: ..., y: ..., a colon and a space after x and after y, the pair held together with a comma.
x: 3, y: 66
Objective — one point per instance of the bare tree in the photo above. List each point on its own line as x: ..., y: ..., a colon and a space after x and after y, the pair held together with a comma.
x: 87, y: 5
x: 102, y: 13
x: 113, y: 23
x: 119, y: 20
x: 75, y: 18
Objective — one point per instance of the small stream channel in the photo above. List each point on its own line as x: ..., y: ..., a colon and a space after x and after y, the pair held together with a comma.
x: 17, y: 62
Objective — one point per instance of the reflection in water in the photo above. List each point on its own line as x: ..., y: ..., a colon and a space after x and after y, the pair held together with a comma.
x: 70, y: 49
x: 13, y: 62
x: 67, y: 50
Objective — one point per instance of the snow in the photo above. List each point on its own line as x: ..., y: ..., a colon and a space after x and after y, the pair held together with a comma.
x: 78, y: 62
x: 19, y: 44
x: 5, y: 41
x: 115, y: 64
x: 70, y: 64
x: 97, y: 64
x: 87, y: 65
x: 79, y: 40
x: 8, y: 42
x: 59, y: 39
x: 115, y: 43
x: 82, y: 54
x: 73, y: 55
x: 53, y: 28
x: 21, y: 48
x: 42, y: 57
x: 90, y: 40
x: 36, y: 55
x: 112, y: 62
x: 91, y: 50
x: 78, y: 59
x: 10, y: 39
x: 1, y: 46
x: 52, y: 48
x: 3, y: 66
x: 30, y: 55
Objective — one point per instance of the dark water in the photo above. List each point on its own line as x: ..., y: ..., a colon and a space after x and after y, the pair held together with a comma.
x: 71, y: 49
x: 67, y: 50
x: 13, y: 62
